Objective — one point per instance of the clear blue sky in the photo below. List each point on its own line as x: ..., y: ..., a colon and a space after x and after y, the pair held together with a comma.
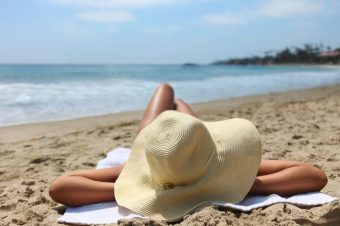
x: 159, y: 31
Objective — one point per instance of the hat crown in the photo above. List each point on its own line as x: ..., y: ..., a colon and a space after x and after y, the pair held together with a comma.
x: 178, y: 149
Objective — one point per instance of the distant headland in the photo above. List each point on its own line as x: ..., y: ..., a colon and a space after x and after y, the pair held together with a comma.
x: 309, y: 54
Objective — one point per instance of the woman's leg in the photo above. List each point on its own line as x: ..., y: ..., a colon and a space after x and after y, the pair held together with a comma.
x: 161, y: 100
x: 182, y: 106
x: 287, y: 178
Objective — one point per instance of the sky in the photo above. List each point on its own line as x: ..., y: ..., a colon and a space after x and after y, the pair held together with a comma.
x: 159, y: 31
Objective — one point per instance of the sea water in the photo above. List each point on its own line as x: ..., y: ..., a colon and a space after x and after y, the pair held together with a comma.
x: 36, y: 93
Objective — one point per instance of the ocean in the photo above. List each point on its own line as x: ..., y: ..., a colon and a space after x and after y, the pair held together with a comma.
x: 38, y: 93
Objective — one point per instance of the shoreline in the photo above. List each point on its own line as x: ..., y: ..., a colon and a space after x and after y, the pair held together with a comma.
x: 26, y: 131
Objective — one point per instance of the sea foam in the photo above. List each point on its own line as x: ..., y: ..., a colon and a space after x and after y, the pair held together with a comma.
x: 44, y: 93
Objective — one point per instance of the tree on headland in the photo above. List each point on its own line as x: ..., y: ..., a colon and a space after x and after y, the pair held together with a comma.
x: 308, y: 54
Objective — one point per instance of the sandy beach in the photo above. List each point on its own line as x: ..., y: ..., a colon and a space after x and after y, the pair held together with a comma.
x: 297, y: 125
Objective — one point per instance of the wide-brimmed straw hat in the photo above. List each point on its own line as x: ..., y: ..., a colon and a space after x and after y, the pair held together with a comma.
x: 179, y: 162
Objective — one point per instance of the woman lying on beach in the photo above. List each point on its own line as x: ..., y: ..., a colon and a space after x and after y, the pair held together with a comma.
x: 273, y: 177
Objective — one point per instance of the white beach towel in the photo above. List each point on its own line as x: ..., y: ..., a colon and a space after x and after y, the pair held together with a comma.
x: 110, y: 212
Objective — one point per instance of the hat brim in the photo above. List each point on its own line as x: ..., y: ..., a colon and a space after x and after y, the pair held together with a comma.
x: 233, y: 168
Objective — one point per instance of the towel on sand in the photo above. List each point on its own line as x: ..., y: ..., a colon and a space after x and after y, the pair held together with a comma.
x: 110, y: 212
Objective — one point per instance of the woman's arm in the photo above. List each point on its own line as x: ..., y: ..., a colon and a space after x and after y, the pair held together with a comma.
x: 287, y: 178
x: 85, y: 187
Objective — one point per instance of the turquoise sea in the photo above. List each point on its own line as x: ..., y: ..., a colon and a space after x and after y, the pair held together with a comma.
x: 35, y: 93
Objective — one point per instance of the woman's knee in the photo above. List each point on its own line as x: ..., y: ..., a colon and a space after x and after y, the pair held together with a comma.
x: 165, y: 87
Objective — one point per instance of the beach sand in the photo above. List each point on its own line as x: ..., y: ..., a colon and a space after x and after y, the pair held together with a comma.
x: 297, y: 125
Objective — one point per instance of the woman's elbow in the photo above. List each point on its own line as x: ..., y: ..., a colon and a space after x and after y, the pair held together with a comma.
x: 57, y: 189
x: 320, y: 178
